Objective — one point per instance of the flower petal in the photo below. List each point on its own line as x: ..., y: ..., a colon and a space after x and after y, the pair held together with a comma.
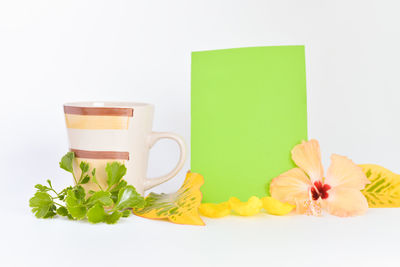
x: 213, y: 210
x: 275, y: 207
x: 344, y: 202
x: 291, y: 186
x: 307, y: 156
x: 249, y: 208
x: 345, y: 173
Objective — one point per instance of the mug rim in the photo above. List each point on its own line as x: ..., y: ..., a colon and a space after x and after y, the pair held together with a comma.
x: 106, y: 104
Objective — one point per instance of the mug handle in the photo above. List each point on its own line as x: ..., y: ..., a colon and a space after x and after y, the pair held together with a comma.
x: 153, y: 138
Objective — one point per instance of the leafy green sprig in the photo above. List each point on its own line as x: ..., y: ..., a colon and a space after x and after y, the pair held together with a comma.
x: 106, y: 205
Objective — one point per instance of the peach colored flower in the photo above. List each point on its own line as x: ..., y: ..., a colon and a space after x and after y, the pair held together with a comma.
x: 306, y: 186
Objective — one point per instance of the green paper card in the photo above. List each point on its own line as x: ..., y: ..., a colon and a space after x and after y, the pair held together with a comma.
x: 249, y: 109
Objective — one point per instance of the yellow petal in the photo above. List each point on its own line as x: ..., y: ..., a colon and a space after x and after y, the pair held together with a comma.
x: 307, y: 156
x: 275, y: 207
x: 180, y: 207
x: 215, y: 210
x: 249, y: 208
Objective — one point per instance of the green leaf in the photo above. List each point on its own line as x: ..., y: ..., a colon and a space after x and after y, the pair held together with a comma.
x: 49, y: 182
x: 100, y: 197
x: 85, y: 180
x: 115, y: 171
x: 115, y: 190
x: 74, y: 201
x: 62, y: 211
x: 129, y: 198
x: 94, y: 176
x: 77, y: 212
x: 42, y: 188
x: 126, y: 213
x: 120, y: 185
x: 50, y: 214
x: 84, y: 166
x: 71, y: 199
x: 41, y: 203
x: 114, y: 196
x: 96, y: 214
x: 113, y: 217
x: 79, y: 192
x: 66, y: 162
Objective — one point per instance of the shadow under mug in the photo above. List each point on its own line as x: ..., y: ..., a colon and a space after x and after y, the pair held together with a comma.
x: 102, y: 132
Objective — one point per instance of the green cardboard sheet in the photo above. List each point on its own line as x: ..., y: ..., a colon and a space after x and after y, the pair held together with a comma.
x: 248, y: 110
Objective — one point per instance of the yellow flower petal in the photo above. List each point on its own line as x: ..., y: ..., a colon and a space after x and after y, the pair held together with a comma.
x: 275, y: 207
x: 249, y: 208
x: 215, y: 210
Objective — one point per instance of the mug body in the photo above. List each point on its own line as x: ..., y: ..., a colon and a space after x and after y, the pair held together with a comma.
x: 102, y: 132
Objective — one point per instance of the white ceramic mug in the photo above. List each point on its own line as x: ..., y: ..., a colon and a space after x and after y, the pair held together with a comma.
x: 102, y: 132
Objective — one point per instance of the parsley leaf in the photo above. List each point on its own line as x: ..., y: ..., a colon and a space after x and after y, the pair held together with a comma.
x: 101, y: 196
x: 79, y: 193
x: 77, y: 212
x: 116, y: 189
x: 129, y: 198
x: 67, y: 162
x: 115, y: 171
x: 84, y: 166
x: 113, y: 217
x: 42, y: 188
x: 74, y: 203
x: 62, y: 211
x: 96, y: 214
x: 85, y: 180
x: 41, y: 203
x: 126, y: 213
x: 51, y: 213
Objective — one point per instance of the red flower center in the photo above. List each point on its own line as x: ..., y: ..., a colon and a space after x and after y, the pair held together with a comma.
x: 320, y: 190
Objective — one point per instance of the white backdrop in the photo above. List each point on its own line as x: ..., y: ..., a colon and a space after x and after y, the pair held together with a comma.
x: 53, y: 52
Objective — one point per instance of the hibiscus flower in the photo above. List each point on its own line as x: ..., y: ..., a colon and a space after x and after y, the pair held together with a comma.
x: 306, y: 186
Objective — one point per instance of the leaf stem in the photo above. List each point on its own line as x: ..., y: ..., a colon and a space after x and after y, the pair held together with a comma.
x: 58, y: 195
x: 59, y: 204
x: 80, y: 179
x: 95, y: 181
x: 73, y: 175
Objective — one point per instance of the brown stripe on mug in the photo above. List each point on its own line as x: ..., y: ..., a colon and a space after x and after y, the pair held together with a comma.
x: 98, y: 111
x: 90, y: 154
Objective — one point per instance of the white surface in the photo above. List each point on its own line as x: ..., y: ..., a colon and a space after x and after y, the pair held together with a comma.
x: 53, y: 52
x: 371, y: 240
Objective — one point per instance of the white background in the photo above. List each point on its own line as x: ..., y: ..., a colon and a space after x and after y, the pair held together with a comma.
x: 53, y: 52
